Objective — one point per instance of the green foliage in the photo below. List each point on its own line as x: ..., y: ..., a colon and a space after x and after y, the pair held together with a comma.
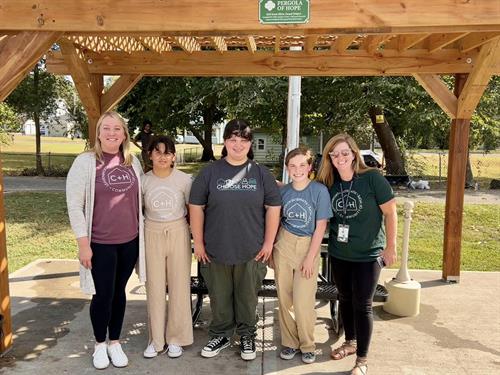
x: 67, y: 91
x: 36, y: 96
x: 485, y: 124
x: 9, y: 123
x: 173, y: 103
x: 261, y: 101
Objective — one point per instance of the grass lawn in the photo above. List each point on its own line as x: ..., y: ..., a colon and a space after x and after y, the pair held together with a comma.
x: 20, y: 154
x: 425, y: 165
x: 421, y: 165
x: 38, y: 227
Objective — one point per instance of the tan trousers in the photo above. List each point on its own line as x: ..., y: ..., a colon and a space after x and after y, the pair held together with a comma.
x: 168, y: 263
x: 296, y: 294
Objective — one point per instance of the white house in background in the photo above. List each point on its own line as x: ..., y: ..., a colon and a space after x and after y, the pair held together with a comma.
x: 188, y: 137
x: 58, y: 125
x: 268, y: 150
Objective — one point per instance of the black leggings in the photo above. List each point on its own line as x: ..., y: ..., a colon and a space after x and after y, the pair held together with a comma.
x: 112, y: 266
x: 356, y: 283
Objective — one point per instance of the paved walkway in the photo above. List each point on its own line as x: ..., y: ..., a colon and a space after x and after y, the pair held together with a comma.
x: 59, y: 184
x: 457, y: 331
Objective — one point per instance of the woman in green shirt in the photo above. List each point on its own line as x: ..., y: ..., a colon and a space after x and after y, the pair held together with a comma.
x: 362, y: 239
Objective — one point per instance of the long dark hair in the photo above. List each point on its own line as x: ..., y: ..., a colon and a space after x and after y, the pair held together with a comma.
x: 155, y: 143
x: 239, y: 128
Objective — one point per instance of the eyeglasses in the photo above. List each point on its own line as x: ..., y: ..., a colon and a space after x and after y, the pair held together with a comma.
x: 335, y: 155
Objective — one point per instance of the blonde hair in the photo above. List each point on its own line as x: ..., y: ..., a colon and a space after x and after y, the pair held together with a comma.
x: 327, y: 171
x: 124, y: 147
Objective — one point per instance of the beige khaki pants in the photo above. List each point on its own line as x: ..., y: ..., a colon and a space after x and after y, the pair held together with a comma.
x: 168, y: 263
x: 296, y: 294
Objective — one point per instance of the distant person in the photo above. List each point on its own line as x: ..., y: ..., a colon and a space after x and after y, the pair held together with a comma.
x: 304, y: 218
x: 144, y: 137
x: 168, y: 251
x: 103, y: 193
x: 234, y: 209
x: 362, y: 240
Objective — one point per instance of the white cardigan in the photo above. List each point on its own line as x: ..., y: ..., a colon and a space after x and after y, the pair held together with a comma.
x: 80, y: 190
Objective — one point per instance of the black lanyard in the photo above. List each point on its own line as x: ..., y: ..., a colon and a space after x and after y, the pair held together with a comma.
x: 344, y: 202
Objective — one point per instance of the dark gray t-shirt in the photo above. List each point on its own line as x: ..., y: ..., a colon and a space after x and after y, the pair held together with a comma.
x: 302, y: 209
x: 234, y: 198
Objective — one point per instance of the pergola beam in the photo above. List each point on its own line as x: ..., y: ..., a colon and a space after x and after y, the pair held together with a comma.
x: 373, y: 42
x: 391, y: 16
x: 343, y: 42
x: 220, y: 43
x: 476, y: 40
x: 188, y: 44
x: 238, y: 63
x: 478, y: 79
x: 89, y: 85
x: 250, y: 42
x: 118, y: 90
x: 155, y: 43
x: 438, y: 90
x: 19, y: 52
x: 311, y: 43
x: 436, y: 42
x: 406, y: 41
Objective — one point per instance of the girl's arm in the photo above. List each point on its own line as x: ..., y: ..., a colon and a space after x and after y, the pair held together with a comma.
x: 307, y: 265
x: 197, y: 220
x: 271, y: 228
x: 391, y: 229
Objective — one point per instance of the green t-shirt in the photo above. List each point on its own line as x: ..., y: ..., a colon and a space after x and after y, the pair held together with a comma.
x: 363, y: 215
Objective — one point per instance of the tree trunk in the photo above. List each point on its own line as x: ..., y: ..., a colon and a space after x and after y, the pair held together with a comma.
x: 469, y: 177
x: 36, y: 118
x: 205, y: 139
x: 392, y: 155
x: 208, y: 152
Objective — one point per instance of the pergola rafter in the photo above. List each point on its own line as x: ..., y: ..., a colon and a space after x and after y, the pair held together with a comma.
x: 425, y: 40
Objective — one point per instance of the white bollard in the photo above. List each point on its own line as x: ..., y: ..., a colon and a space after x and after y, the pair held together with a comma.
x: 403, y: 292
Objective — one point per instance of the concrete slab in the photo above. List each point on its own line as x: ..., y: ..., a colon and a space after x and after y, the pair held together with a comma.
x: 457, y: 331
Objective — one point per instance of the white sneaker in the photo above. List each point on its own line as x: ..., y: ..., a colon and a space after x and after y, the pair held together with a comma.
x: 100, y: 357
x: 118, y: 357
x: 174, y: 351
x: 150, y: 351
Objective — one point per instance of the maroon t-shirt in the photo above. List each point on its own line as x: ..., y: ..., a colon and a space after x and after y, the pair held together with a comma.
x: 116, y: 203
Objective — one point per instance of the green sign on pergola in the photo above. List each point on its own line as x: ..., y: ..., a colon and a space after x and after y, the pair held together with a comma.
x: 283, y: 11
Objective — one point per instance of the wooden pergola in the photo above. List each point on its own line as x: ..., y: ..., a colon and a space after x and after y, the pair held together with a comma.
x: 133, y: 39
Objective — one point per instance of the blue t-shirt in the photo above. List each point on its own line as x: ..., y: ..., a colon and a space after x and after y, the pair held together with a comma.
x: 301, y: 209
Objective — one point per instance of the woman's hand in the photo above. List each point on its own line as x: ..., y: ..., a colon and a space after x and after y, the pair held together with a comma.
x: 201, y: 254
x: 306, y: 268
x: 85, y: 254
x: 390, y: 255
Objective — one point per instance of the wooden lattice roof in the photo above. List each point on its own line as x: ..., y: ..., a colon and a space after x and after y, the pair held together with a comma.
x: 271, y: 54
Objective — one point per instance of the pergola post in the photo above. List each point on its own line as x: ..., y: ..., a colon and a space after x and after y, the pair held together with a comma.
x: 457, y: 163
x: 468, y: 89
x: 6, y: 326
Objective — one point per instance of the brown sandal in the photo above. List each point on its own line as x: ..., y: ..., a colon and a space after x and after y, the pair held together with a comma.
x: 347, y: 348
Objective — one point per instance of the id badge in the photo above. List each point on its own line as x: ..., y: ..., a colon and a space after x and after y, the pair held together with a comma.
x: 343, y: 234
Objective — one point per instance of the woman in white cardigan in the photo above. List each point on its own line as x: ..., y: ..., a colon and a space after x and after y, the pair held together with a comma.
x: 103, y: 193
